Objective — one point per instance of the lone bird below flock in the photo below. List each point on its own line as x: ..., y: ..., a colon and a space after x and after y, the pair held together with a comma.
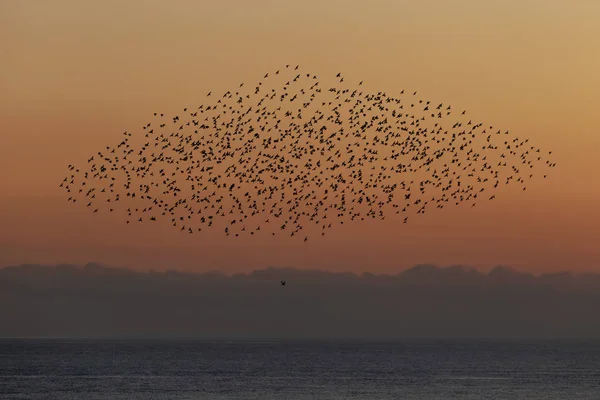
x: 294, y: 150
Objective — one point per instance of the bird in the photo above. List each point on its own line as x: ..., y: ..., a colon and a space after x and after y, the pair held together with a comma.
x: 278, y: 156
x: 282, y: 283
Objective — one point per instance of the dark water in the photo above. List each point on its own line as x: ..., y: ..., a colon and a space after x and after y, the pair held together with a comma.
x: 62, y: 369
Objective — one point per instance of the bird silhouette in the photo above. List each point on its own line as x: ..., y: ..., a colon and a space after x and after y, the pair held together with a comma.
x: 294, y: 150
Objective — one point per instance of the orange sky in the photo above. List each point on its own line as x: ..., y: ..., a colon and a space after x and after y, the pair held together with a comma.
x: 74, y: 75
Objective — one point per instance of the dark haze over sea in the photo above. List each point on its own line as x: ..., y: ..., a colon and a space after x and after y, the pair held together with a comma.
x: 422, y: 302
x: 321, y: 336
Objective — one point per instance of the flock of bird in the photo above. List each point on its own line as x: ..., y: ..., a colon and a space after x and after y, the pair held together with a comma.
x: 287, y: 152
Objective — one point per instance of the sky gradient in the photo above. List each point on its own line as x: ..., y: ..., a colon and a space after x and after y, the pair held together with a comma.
x: 74, y: 75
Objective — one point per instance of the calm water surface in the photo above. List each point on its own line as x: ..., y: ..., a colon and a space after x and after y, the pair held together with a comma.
x: 93, y: 369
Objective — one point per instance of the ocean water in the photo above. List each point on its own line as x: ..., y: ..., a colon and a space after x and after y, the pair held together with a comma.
x: 94, y: 369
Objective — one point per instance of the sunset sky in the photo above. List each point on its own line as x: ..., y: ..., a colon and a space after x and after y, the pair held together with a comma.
x: 74, y: 75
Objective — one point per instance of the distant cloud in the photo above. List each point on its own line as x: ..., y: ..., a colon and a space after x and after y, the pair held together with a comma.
x: 423, y: 301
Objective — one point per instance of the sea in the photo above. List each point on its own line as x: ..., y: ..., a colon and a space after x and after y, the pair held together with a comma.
x: 314, y: 369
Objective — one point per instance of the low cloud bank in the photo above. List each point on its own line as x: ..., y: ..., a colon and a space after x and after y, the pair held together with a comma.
x: 425, y: 301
